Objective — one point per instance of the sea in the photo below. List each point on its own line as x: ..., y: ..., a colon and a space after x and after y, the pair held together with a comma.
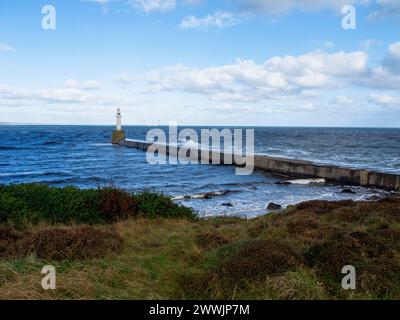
x: 83, y: 156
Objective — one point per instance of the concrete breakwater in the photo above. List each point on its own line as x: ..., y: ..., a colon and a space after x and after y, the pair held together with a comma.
x: 290, y: 167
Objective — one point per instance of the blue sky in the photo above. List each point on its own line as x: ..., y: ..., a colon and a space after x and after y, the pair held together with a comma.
x: 227, y: 62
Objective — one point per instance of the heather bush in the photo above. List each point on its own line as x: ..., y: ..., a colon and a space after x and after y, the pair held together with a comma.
x: 33, y: 203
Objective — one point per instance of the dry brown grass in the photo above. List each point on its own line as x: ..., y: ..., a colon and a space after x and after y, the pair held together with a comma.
x: 295, y: 254
x: 259, y: 258
x: 300, y: 285
x: 210, y: 239
x: 323, y: 207
x: 60, y: 243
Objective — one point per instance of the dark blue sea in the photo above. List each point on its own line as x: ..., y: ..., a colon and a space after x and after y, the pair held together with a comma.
x: 83, y: 156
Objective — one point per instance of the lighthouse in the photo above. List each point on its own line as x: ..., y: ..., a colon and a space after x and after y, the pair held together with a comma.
x: 119, y: 123
x: 118, y: 134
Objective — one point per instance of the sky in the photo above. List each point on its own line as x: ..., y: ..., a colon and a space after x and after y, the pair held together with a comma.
x: 201, y: 62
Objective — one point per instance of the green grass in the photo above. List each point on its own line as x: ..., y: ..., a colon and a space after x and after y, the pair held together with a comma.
x: 294, y: 254
x: 34, y: 203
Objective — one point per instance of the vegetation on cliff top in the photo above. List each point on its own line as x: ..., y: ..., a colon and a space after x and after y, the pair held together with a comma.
x: 34, y: 203
x: 161, y: 252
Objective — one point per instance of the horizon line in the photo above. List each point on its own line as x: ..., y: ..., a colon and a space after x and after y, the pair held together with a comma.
x: 197, y: 125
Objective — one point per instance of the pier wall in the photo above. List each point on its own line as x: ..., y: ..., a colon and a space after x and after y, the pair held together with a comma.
x: 293, y: 168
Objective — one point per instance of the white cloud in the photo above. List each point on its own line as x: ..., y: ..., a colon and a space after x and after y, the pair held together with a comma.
x: 380, y: 78
x: 217, y: 20
x: 6, y: 47
x: 385, y: 100
x: 278, y: 78
x: 283, y: 77
x: 278, y: 7
x: 71, y: 95
x: 153, y: 5
x: 86, y: 85
x: 66, y: 95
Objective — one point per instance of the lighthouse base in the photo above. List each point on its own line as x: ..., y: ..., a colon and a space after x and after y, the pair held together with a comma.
x: 118, y: 136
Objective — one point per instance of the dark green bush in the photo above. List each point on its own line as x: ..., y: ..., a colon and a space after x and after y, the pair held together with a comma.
x: 153, y: 205
x: 33, y: 203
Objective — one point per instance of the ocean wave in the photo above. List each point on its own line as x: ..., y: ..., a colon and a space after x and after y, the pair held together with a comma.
x: 8, y: 148
x: 305, y: 181
x: 101, y: 144
x: 32, y: 174
x: 204, y: 195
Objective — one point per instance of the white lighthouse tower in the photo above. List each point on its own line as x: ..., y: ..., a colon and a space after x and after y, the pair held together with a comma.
x: 118, y: 134
x: 119, y: 122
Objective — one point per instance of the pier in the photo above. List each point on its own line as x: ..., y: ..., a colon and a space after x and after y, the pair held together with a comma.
x: 294, y: 168
x: 289, y: 168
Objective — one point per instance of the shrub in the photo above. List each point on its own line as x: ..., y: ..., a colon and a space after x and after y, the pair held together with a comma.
x: 240, y: 264
x: 33, y: 203
x: 343, y: 249
x: 117, y: 205
x: 58, y: 244
x: 153, y: 205
x: 260, y: 258
x: 8, y: 237
x: 375, y: 262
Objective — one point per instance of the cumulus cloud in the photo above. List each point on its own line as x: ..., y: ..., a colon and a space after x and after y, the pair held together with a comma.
x: 217, y: 20
x: 278, y: 78
x: 282, y: 77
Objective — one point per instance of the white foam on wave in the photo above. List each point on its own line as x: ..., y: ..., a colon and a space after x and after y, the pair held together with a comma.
x: 101, y: 144
x: 204, y: 195
x: 307, y: 181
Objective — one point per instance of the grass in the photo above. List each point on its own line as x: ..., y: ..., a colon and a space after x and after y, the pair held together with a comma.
x: 294, y: 254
